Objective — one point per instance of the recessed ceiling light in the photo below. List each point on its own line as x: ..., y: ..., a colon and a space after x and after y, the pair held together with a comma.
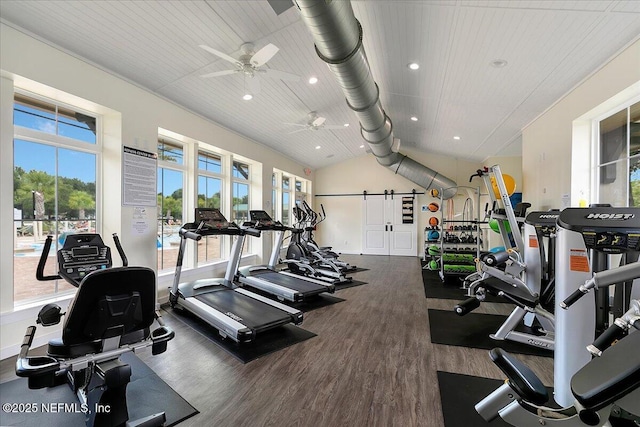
x: 346, y: 125
x: 247, y: 97
x: 456, y: 138
x: 498, y: 63
x: 362, y: 146
x: 413, y: 66
x: 318, y: 147
x: 414, y: 118
x: 313, y: 80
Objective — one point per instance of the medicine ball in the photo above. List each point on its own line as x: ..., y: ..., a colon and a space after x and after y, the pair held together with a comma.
x: 434, y: 192
x: 433, y: 250
x: 434, y: 221
x: 433, y: 207
x: 433, y: 235
x: 433, y: 265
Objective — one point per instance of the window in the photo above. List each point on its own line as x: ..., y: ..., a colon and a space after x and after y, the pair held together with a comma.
x: 55, y: 187
x: 53, y: 119
x: 618, y: 154
x: 240, y: 201
x: 171, y: 171
x: 240, y: 197
x: 210, y: 183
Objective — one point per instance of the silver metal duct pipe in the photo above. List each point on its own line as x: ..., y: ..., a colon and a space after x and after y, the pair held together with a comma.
x: 338, y: 38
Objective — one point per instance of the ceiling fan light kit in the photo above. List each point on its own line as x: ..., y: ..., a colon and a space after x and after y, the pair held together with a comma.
x: 315, y: 122
x: 251, y: 65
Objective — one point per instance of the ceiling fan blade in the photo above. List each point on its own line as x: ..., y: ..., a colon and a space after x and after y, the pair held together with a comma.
x: 294, y: 124
x: 220, y: 54
x: 253, y: 83
x: 318, y: 121
x: 299, y: 130
x: 333, y: 127
x: 263, y: 55
x: 282, y: 75
x: 219, y: 73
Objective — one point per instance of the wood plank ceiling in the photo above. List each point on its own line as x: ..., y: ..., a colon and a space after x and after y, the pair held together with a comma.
x: 549, y: 46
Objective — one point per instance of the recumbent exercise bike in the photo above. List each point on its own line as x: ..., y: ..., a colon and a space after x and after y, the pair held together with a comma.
x: 111, y: 314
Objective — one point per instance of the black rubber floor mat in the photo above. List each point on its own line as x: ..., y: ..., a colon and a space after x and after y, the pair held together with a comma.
x: 319, y: 301
x: 434, y: 287
x: 351, y: 284
x: 265, y: 343
x: 147, y: 394
x: 459, y: 395
x: 473, y: 331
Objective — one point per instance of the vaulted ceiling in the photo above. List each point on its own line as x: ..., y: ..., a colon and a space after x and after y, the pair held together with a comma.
x: 549, y: 47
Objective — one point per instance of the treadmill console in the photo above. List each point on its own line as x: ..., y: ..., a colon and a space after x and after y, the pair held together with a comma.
x: 260, y: 220
x: 211, y: 217
x: 606, y: 229
x: 82, y: 254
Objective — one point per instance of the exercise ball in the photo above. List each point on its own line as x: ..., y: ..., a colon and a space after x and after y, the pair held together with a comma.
x: 434, y: 192
x: 433, y: 207
x: 493, y: 224
x: 434, y: 221
x: 509, y: 183
x: 497, y: 249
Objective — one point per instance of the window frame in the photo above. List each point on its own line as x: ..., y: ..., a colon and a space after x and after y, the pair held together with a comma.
x: 596, y: 150
x: 60, y: 142
x: 177, y: 167
x: 222, y: 176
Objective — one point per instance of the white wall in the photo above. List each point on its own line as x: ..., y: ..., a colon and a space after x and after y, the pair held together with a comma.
x: 132, y: 117
x: 343, y: 227
x: 547, y: 142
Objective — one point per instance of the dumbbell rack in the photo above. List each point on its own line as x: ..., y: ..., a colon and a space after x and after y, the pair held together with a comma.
x: 460, y: 241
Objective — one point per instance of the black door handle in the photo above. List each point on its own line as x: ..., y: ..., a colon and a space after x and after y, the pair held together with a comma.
x: 391, y: 228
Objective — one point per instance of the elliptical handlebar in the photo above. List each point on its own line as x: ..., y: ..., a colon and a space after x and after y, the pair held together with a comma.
x: 116, y: 240
x: 43, y: 261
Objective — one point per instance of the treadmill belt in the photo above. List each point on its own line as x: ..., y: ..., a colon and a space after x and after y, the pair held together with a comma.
x: 300, y: 285
x: 255, y: 314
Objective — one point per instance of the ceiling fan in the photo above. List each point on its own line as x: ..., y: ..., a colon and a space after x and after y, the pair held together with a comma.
x: 250, y: 65
x: 314, y: 122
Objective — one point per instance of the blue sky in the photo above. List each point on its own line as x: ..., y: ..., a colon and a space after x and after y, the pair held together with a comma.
x: 33, y: 156
x: 71, y: 164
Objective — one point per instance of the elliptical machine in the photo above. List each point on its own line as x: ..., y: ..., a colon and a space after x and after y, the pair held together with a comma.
x: 111, y: 314
x: 301, y: 261
x: 324, y: 253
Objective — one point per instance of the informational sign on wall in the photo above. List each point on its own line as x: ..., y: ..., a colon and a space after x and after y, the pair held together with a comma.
x: 139, y: 177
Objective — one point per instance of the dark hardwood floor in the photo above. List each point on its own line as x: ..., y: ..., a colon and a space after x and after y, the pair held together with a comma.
x: 372, y: 363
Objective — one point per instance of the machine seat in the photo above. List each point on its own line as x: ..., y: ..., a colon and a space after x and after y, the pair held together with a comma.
x: 496, y: 285
x: 610, y: 377
x: 521, y: 378
x: 56, y: 348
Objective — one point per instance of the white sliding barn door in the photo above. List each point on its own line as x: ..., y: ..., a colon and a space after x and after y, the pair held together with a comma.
x: 384, y: 232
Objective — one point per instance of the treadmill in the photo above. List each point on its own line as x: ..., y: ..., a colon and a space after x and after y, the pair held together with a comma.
x: 235, y: 312
x: 266, y: 278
